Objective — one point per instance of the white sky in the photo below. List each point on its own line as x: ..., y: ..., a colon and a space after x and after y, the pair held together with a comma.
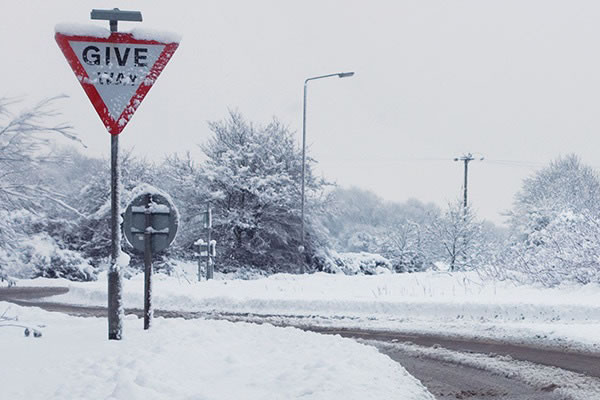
x: 512, y: 80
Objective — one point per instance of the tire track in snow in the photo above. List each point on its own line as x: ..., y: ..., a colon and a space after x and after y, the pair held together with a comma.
x: 566, y: 384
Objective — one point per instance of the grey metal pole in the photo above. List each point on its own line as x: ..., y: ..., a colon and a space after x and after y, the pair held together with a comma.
x: 302, y: 268
x: 209, y: 265
x: 303, y: 232
x: 465, y: 187
x: 148, y: 309
x: 115, y: 286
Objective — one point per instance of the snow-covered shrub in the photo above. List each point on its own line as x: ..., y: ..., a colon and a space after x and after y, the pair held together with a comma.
x: 362, y: 241
x: 409, y: 261
x: 361, y: 263
x: 566, y: 249
x: 42, y: 257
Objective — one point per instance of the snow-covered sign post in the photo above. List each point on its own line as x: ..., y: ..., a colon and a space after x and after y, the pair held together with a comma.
x: 150, y: 224
x: 116, y: 71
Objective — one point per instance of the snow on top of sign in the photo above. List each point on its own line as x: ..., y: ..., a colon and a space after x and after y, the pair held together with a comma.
x: 145, y: 188
x: 82, y: 30
x: 70, y: 29
x: 158, y: 208
x: 159, y: 36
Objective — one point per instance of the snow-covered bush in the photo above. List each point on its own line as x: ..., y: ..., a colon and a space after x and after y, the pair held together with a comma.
x: 27, y: 247
x: 566, y: 249
x: 41, y: 255
x: 360, y: 263
x: 409, y: 261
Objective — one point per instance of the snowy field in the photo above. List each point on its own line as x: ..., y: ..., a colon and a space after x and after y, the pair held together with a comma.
x: 194, y: 359
x: 459, y: 303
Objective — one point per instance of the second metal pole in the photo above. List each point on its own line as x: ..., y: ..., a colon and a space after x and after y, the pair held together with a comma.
x: 302, y: 248
x: 148, y: 310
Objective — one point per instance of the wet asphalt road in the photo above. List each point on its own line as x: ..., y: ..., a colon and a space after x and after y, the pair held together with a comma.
x: 446, y: 380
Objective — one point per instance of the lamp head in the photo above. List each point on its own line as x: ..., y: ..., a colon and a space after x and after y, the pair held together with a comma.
x: 345, y: 74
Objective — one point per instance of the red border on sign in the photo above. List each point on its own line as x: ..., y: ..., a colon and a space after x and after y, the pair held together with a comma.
x: 113, y: 126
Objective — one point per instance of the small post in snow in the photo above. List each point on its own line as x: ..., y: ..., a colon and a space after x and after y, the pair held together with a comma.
x: 209, y: 264
x: 206, y: 249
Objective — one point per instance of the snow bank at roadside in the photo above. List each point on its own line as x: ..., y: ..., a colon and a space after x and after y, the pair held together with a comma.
x: 185, y: 359
x: 463, y: 302
x: 441, y: 296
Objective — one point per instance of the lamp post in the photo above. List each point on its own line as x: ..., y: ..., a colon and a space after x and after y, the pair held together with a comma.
x: 339, y: 75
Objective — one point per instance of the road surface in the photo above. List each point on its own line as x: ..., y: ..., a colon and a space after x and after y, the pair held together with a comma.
x: 445, y: 378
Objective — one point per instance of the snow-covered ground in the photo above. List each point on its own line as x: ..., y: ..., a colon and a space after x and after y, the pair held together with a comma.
x: 459, y: 303
x: 190, y: 359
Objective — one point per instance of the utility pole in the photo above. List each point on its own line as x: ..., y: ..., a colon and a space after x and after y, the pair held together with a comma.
x: 466, y: 158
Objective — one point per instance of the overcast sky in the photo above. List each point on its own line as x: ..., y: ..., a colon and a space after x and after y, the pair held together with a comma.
x: 517, y: 81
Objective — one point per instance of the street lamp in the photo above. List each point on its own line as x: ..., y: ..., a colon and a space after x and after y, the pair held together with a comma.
x: 339, y: 75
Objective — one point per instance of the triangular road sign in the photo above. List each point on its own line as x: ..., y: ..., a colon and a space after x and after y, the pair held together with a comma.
x: 116, y: 71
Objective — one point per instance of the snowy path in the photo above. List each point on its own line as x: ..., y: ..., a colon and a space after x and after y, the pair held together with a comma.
x: 458, y: 373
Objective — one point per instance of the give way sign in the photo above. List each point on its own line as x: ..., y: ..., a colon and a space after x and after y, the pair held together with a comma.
x: 116, y: 71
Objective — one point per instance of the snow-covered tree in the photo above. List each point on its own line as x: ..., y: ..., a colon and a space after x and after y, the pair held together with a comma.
x: 360, y: 221
x: 565, y: 185
x: 556, y: 225
x: 407, y: 245
x: 91, y: 235
x: 183, y: 178
x: 26, y: 140
x: 458, y: 235
x: 252, y: 179
x: 25, y: 145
